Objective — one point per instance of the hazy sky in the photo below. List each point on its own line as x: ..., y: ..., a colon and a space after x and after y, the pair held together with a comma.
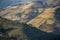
x: 4, y: 3
x: 30, y: 0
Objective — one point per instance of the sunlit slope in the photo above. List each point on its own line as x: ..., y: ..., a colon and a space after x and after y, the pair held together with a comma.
x: 47, y: 21
x: 16, y: 9
x: 23, y: 13
x: 40, y: 19
x: 10, y: 12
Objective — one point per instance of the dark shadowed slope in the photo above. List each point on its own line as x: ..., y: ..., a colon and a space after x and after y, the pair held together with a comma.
x: 10, y: 30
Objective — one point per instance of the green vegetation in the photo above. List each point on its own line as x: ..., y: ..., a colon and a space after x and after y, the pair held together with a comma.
x: 13, y: 30
x: 10, y: 30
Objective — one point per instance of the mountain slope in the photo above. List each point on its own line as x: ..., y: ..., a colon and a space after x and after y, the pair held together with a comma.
x: 47, y: 21
x: 24, y: 12
x: 12, y: 30
x: 48, y: 13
